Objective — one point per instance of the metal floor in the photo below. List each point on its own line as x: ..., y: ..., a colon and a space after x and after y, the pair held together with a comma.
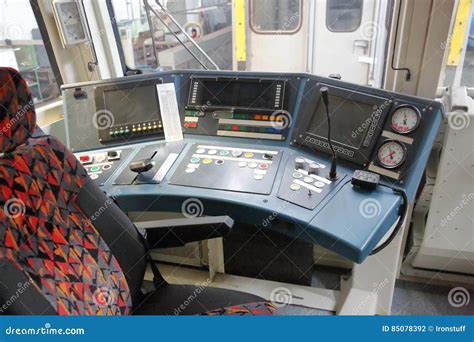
x: 409, y: 299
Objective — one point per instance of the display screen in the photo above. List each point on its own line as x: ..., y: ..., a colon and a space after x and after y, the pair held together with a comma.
x: 350, y: 121
x: 263, y: 94
x: 132, y: 105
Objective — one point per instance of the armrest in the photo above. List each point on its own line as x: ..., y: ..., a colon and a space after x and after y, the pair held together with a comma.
x: 178, y: 232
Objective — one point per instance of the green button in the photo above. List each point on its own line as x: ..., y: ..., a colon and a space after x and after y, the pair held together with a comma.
x: 195, y: 160
x: 228, y: 127
x: 224, y: 153
x: 95, y: 168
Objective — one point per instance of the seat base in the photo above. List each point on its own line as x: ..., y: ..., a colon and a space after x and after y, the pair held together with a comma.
x: 194, y: 300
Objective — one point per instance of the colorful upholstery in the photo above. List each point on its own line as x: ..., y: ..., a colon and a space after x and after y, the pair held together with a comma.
x: 42, y: 231
x: 252, y: 309
x: 17, y: 113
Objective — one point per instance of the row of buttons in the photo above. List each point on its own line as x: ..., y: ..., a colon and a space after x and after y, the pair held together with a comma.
x: 307, y: 180
x: 135, y: 129
x: 97, y: 168
x: 252, y: 129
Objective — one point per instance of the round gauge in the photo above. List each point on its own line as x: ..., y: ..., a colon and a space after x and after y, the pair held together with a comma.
x: 405, y: 119
x: 391, y: 154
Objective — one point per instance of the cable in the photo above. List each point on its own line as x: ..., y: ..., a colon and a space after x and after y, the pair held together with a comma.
x: 403, y: 209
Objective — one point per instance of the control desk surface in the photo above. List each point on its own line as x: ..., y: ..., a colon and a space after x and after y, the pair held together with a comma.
x: 263, y: 158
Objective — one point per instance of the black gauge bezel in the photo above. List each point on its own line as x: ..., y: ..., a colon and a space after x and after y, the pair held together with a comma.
x: 404, y: 154
x: 418, y: 113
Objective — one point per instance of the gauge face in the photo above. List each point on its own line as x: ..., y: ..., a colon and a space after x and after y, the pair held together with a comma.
x: 391, y: 154
x: 405, y: 119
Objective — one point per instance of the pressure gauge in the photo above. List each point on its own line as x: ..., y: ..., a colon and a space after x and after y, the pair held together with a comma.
x: 405, y: 119
x: 391, y: 154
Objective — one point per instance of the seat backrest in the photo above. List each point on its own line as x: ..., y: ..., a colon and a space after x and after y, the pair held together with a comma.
x: 65, y: 248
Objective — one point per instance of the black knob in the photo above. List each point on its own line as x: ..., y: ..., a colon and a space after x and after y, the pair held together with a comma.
x: 141, y: 166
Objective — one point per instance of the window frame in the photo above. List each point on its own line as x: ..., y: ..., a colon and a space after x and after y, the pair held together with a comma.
x: 345, y: 31
x: 275, y: 32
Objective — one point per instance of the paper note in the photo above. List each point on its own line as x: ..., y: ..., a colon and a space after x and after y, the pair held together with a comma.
x: 169, y: 112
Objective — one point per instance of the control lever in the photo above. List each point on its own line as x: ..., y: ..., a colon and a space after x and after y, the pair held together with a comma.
x: 333, y: 172
x: 141, y: 166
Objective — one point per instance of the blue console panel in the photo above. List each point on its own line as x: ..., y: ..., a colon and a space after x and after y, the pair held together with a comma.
x: 256, y: 148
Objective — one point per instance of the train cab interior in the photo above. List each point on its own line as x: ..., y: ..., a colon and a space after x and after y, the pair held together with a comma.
x: 236, y: 157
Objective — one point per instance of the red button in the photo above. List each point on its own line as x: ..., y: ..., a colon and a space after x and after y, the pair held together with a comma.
x: 235, y: 128
x: 85, y: 159
x: 263, y: 166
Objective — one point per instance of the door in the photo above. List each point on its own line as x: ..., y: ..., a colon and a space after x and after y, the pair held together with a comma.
x: 345, y: 36
x: 277, y: 34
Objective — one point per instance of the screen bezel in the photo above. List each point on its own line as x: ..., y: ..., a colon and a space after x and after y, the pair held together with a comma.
x: 199, y: 94
x: 100, y: 103
x: 360, y: 156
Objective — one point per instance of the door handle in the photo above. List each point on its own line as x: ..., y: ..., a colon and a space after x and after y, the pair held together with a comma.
x: 361, y: 43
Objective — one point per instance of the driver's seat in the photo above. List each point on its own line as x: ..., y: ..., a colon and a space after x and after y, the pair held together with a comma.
x: 66, y: 248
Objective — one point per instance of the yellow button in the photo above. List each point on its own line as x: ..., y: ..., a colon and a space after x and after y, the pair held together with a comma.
x: 207, y: 161
x: 248, y: 155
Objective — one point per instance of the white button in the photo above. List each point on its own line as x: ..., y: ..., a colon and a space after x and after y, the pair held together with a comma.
x: 295, y: 187
x: 258, y: 177
x: 200, y: 151
x: 190, y: 170
x: 319, y: 184
x: 212, y: 152
x: 94, y: 176
x: 253, y: 165
x: 297, y: 175
x: 242, y: 164
x: 308, y: 180
x: 236, y: 153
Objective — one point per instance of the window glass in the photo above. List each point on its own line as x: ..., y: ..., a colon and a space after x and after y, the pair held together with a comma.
x: 147, y: 48
x: 343, y: 15
x: 275, y: 15
x: 22, y: 48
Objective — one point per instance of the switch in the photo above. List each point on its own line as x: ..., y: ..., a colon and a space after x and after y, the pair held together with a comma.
x: 313, y: 169
x: 300, y: 163
x: 365, y: 179
x: 113, y: 155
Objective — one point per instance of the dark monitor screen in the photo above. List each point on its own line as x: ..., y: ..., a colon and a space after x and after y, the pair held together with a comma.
x: 238, y: 94
x: 350, y: 121
x: 132, y: 105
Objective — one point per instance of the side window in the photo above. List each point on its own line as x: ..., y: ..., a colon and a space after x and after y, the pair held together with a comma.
x: 269, y: 16
x: 22, y: 48
x: 343, y: 15
x: 147, y: 43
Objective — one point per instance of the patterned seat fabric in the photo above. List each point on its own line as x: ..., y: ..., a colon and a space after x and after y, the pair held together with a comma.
x: 251, y: 309
x: 42, y: 230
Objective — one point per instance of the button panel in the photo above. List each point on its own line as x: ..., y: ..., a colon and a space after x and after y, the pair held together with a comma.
x: 228, y: 168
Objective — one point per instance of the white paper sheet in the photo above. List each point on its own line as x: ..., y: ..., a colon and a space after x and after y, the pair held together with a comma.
x: 169, y: 112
